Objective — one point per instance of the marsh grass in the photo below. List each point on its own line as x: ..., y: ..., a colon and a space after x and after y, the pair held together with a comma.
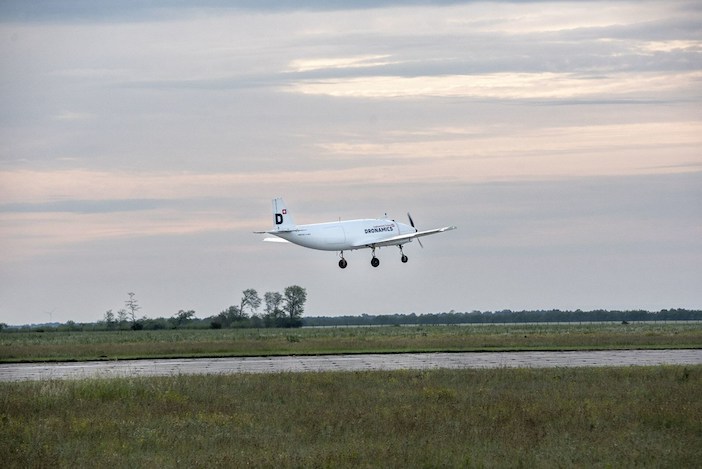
x: 40, y: 346
x: 610, y: 417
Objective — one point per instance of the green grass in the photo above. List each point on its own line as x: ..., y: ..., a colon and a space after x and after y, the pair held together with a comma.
x: 603, y: 417
x: 56, y: 346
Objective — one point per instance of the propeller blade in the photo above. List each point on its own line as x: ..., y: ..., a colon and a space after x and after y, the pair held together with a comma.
x: 415, y: 229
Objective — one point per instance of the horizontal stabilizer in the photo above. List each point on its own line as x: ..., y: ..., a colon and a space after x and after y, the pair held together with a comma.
x: 276, y: 240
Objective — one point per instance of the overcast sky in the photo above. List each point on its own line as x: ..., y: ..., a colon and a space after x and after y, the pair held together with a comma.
x: 141, y: 146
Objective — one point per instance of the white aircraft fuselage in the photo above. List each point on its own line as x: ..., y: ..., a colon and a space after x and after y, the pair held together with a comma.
x: 347, y: 235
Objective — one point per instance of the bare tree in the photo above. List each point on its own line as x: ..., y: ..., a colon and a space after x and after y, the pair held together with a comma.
x: 132, y: 306
x: 122, y: 316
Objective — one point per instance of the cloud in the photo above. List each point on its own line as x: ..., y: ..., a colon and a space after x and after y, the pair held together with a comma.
x: 504, y: 86
x: 306, y: 65
x: 57, y: 187
x: 524, y: 142
x: 136, y: 10
x: 475, y: 154
x: 84, y: 206
x: 670, y: 46
x: 74, y: 116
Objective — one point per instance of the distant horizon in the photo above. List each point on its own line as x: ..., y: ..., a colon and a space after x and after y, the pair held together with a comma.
x: 362, y: 315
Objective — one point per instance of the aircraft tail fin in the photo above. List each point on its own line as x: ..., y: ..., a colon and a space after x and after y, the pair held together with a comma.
x: 282, y: 219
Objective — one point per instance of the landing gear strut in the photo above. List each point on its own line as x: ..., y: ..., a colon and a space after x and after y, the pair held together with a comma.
x: 375, y: 262
x: 342, y: 262
x: 404, y: 258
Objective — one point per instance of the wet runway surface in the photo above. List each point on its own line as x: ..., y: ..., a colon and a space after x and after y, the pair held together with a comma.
x: 401, y: 361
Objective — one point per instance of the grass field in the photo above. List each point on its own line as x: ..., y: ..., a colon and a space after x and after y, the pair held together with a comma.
x: 47, y: 346
x: 604, y: 417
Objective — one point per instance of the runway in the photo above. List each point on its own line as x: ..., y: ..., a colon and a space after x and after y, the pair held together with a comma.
x: 364, y: 362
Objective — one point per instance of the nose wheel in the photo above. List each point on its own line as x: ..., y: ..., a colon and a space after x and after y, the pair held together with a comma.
x: 342, y: 261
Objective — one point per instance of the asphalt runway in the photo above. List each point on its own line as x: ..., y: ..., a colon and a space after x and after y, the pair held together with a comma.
x: 400, y: 361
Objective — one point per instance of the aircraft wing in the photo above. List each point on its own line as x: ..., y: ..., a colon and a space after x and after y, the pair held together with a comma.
x: 407, y: 237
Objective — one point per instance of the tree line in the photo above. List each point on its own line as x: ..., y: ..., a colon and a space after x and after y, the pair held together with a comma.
x: 506, y: 316
x: 285, y: 310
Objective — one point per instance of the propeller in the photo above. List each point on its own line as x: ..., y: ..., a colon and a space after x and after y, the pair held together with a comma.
x: 415, y: 228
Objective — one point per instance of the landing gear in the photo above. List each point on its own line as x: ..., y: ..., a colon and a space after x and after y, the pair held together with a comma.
x: 375, y: 262
x: 404, y: 258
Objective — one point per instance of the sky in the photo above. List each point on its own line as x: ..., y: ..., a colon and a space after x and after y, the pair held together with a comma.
x: 141, y: 144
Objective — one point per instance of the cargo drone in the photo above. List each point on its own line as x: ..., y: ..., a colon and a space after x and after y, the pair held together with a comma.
x: 347, y: 235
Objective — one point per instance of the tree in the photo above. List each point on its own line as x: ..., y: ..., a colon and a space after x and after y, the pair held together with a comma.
x: 295, y: 297
x: 231, y: 315
x: 133, y: 306
x: 273, y: 301
x: 110, y: 319
x: 122, y: 316
x: 183, y: 317
x: 274, y: 315
x: 251, y: 300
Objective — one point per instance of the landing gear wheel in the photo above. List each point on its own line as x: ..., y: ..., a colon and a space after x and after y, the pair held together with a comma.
x: 375, y: 262
x: 343, y: 263
x: 403, y: 258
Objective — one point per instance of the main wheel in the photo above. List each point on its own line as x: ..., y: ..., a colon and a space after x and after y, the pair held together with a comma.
x: 404, y: 259
x: 375, y: 262
x: 343, y: 263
